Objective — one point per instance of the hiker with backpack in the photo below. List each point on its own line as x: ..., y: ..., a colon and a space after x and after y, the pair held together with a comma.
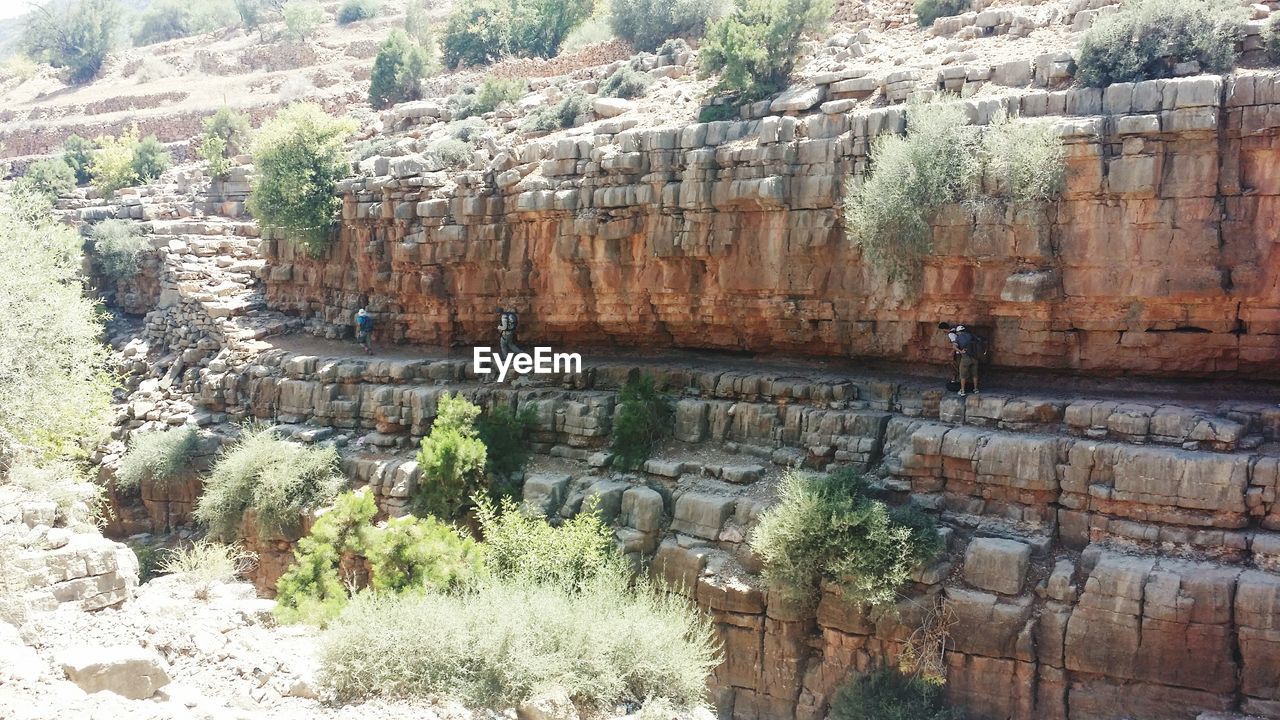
x: 967, y: 350
x: 508, y: 321
x: 364, y: 330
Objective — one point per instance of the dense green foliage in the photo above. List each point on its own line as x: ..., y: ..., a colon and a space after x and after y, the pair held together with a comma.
x: 451, y: 460
x: 561, y: 115
x: 252, y: 12
x: 170, y: 19
x: 77, y: 152
x: 418, y: 24
x: 230, y: 126
x: 942, y: 159
x: 404, y: 554
x: 886, y: 694
x: 398, y: 71
x: 299, y: 158
x: 1144, y: 39
x: 118, y: 246
x: 522, y: 545
x: 54, y: 392
x: 827, y: 528
x: 626, y: 82
x: 150, y: 158
x: 479, y: 32
x: 927, y: 11
x: 643, y: 417
x: 158, y: 457
x: 503, y: 641
x: 276, y: 479
x: 1271, y: 38
x: 356, y: 10
x: 126, y: 161
x: 492, y: 94
x: 755, y: 48
x: 52, y: 178
x: 451, y: 152
x: 505, y: 434
x: 75, y: 34
x: 302, y: 17
x: 647, y: 23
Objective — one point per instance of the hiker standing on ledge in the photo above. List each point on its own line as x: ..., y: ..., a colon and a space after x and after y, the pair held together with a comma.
x: 364, y: 331
x: 965, y: 352
x: 508, y: 321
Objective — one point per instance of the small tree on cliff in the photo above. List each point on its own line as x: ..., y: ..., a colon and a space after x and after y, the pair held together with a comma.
x: 398, y: 71
x: 755, y: 48
x: 299, y: 158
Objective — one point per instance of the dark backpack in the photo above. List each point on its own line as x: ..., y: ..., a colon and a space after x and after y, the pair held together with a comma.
x: 510, y: 320
x: 365, y: 323
x: 975, y: 346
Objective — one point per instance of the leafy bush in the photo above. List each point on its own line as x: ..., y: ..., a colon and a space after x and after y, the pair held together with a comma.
x: 397, y: 71
x: 481, y: 31
x: 505, y: 434
x: 468, y: 130
x: 171, y: 19
x: 75, y: 34
x: 252, y: 13
x: 941, y: 160
x: 451, y: 460
x: 1144, y: 39
x: 504, y: 641
x: 886, y: 694
x: 452, y: 152
x: 417, y: 25
x: 204, y: 564
x: 78, y: 153
x: 54, y: 392
x: 626, y: 82
x: 826, y: 528
x: 53, y: 178
x: 150, y: 159
x: 302, y: 17
x: 118, y: 246
x: 299, y: 158
x: 927, y: 11
x: 231, y: 127
x: 156, y: 456
x: 492, y: 94
x: 1271, y: 38
x: 405, y: 554
x: 356, y: 10
x: 561, y: 115
x: 647, y: 23
x: 755, y: 48
x: 642, y: 418
x: 112, y: 164
x: 523, y: 545
x: 276, y: 479
x: 213, y: 150
x: 150, y: 558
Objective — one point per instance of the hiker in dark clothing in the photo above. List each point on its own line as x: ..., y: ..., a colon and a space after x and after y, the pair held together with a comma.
x: 364, y: 330
x: 965, y: 353
x: 508, y: 321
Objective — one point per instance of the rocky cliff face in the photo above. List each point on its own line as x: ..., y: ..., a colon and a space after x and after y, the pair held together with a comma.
x: 1158, y: 258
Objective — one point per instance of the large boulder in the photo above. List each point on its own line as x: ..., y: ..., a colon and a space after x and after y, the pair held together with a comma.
x: 131, y: 672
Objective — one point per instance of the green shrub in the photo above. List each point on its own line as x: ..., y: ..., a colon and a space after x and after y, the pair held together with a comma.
x: 643, y: 417
x: 479, y: 32
x: 150, y: 558
x: 1144, y: 39
x: 404, y: 554
x: 451, y: 460
x: 112, y: 164
x: 203, y: 564
x: 927, y: 11
x: 626, y: 82
x: 356, y: 10
x: 276, y: 479
x: 252, y: 13
x: 150, y: 158
x: 492, y: 94
x: 78, y: 153
x: 647, y: 23
x: 54, y: 391
x: 156, y: 456
x: 418, y: 25
x: 826, y: 528
x: 1271, y: 38
x: 468, y: 130
x: 213, y: 150
x: 523, y: 545
x: 75, y: 34
x: 717, y: 113
x: 941, y: 160
x: 397, y: 71
x: 505, y: 640
x: 53, y: 178
x: 561, y: 115
x: 451, y: 152
x: 302, y: 17
x: 505, y: 434
x: 755, y: 48
x: 171, y: 19
x: 231, y: 127
x: 118, y: 247
x: 886, y: 694
x: 299, y: 158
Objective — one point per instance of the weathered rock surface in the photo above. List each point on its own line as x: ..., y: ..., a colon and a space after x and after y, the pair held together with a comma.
x: 130, y: 672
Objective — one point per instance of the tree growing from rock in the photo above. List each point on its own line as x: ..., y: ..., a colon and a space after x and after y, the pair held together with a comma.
x: 755, y: 48
x: 452, y: 460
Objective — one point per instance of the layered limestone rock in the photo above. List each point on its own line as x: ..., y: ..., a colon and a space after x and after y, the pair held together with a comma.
x: 728, y: 234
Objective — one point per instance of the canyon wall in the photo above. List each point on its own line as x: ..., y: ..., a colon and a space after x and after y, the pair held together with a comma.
x: 1157, y: 259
